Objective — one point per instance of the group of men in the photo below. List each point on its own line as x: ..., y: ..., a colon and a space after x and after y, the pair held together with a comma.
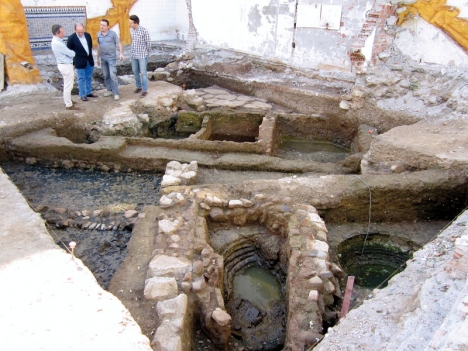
x: 78, y: 53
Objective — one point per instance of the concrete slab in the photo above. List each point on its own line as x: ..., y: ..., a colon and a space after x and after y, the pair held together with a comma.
x: 48, y: 300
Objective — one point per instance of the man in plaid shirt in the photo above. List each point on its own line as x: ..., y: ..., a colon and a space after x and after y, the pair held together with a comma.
x: 141, y: 47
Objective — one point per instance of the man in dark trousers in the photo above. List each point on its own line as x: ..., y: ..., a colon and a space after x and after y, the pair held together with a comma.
x: 81, y: 43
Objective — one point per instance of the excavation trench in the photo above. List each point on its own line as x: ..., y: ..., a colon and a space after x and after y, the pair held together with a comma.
x: 256, y: 246
x: 276, y: 204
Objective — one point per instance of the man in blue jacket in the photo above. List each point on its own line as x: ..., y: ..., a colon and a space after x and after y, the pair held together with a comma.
x: 81, y: 43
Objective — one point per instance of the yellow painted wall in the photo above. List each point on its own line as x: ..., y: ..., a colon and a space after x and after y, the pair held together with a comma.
x: 441, y: 16
x: 14, y: 44
x: 118, y: 14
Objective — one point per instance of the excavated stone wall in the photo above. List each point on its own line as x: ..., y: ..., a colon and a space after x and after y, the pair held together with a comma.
x: 185, y: 264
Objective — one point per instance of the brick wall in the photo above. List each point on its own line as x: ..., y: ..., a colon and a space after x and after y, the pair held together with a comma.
x: 375, y: 20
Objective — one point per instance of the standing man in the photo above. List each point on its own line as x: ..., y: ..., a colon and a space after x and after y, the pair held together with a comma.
x: 81, y: 43
x: 64, y: 57
x: 141, y: 47
x: 108, y: 41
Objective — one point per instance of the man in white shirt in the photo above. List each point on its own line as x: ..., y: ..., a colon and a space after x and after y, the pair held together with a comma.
x: 64, y: 57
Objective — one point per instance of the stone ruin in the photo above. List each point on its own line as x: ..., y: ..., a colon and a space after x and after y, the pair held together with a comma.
x: 186, y: 276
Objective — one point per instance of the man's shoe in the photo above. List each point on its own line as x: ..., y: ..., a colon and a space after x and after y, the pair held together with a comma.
x: 137, y: 90
x: 116, y: 97
x: 143, y: 94
x: 72, y: 107
x: 92, y: 95
x: 84, y: 98
x: 108, y: 93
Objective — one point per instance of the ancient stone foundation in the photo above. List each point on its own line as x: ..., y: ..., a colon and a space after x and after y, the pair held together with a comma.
x: 187, y: 274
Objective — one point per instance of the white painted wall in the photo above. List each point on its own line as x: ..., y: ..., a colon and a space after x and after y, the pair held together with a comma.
x: 164, y: 19
x: 266, y: 28
x: 462, y: 5
x: 235, y: 24
x: 427, y: 44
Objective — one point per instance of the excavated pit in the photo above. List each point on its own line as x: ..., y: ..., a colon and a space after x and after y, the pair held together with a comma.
x: 254, y: 284
x: 374, y: 258
x: 87, y: 207
x: 228, y: 143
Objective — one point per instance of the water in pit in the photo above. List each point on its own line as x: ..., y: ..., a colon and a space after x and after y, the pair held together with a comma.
x: 258, y: 309
x: 257, y: 285
x: 374, y: 258
x: 372, y: 275
x: 312, y: 150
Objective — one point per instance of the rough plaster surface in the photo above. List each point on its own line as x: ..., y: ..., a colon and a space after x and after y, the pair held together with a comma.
x: 49, y: 301
x: 266, y: 28
x: 425, y: 43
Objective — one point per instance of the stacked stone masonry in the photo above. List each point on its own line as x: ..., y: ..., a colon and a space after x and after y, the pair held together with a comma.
x: 185, y: 266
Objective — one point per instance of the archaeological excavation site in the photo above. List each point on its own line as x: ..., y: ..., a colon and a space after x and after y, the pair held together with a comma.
x: 295, y: 178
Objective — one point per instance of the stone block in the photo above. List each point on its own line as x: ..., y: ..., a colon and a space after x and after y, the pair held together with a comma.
x: 160, y: 288
x: 173, y: 309
x: 160, y: 75
x: 166, y: 101
x: 295, y: 241
x: 321, y: 235
x: 173, y: 172
x: 317, y: 245
x: 217, y: 215
x: 320, y: 265
x: 246, y: 203
x: 198, y: 267
x: 122, y: 115
x: 199, y: 284
x: 188, y: 178
x: 317, y: 222
x: 329, y: 286
x: 164, y: 201
x: 315, y: 253
x: 170, y: 181
x: 336, y: 270
x: 315, y: 283
x: 174, y: 165
x: 169, y: 226
x: 235, y: 204
x: 326, y: 275
x: 130, y: 213
x: 306, y: 273
x: 221, y: 317
x: 313, y: 295
x: 163, y: 265
x: 160, y: 90
x: 166, y: 340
